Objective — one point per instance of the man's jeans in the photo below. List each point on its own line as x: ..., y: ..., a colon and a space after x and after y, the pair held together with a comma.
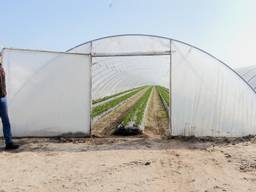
x: 5, y: 120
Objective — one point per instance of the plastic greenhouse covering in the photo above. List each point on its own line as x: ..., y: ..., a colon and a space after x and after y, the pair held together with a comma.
x: 124, y: 62
x: 48, y: 92
x: 55, y: 93
x: 207, y: 97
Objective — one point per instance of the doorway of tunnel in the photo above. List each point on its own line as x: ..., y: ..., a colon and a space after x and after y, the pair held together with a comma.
x: 131, y: 94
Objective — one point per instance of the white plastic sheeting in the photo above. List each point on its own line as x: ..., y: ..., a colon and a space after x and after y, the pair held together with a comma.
x: 124, y: 44
x: 48, y: 92
x: 124, y: 62
x: 208, y: 98
x: 115, y: 74
x: 249, y: 74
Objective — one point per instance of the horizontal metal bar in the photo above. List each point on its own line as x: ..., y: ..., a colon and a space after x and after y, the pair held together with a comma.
x: 44, y: 51
x: 132, y: 54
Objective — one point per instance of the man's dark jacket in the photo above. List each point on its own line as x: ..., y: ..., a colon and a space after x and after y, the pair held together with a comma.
x: 2, y: 82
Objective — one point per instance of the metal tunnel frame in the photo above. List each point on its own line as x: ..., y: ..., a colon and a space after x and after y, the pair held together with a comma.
x: 106, y: 54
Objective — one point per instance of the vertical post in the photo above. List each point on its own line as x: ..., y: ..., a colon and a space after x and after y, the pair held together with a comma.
x: 170, y: 91
x: 90, y: 88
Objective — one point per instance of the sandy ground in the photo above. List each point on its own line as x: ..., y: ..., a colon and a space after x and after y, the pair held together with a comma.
x: 129, y: 164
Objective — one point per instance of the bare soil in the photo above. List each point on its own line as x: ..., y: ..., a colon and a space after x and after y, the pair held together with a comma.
x: 156, y: 123
x: 105, y: 125
x: 129, y: 164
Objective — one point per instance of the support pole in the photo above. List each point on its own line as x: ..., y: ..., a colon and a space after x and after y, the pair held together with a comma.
x: 170, y: 91
x: 90, y: 89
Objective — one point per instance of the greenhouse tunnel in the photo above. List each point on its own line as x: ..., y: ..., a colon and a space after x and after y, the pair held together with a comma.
x: 128, y: 81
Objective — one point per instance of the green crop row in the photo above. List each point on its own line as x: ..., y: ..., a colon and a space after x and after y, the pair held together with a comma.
x: 114, y: 95
x: 164, y: 93
x: 137, y: 112
x: 106, y: 106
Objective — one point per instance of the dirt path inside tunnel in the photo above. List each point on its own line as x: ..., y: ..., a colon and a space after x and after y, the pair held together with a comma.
x: 156, y: 122
x: 105, y: 125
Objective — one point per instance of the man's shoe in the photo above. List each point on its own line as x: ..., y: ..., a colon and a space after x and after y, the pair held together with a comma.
x: 11, y: 146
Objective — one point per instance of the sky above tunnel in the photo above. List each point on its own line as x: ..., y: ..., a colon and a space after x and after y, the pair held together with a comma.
x: 224, y: 28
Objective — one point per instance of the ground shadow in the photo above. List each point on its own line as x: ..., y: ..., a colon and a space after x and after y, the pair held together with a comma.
x: 120, y: 143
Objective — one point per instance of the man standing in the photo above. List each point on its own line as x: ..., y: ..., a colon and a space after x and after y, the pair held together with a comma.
x: 9, y: 145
